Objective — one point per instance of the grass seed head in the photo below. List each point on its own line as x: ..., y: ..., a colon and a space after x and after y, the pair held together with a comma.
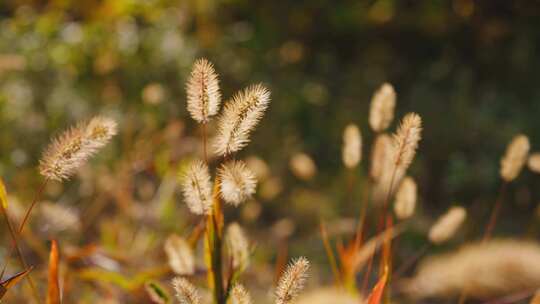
x: 203, y: 95
x: 447, y: 225
x: 382, y: 107
x: 514, y: 158
x: 186, y: 293
x: 237, y: 182
x: 197, y: 188
x: 240, y: 116
x: 292, y: 281
x: 352, y: 146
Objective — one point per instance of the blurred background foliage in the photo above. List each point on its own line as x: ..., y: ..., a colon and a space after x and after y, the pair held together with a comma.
x: 469, y: 68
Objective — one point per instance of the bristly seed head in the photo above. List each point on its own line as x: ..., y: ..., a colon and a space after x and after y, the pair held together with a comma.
x: 405, y: 199
x: 406, y: 141
x: 534, y: 162
x: 292, y: 281
x: 447, y: 225
x: 239, y: 118
x: 197, y: 188
x: 381, y: 157
x: 186, y: 293
x: 352, y: 146
x: 239, y: 295
x: 238, y: 246
x: 237, y: 182
x: 514, y: 158
x: 180, y: 255
x: 203, y: 95
x: 72, y: 149
x: 381, y: 112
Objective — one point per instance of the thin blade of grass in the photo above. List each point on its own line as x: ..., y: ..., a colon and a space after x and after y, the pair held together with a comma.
x: 53, y: 288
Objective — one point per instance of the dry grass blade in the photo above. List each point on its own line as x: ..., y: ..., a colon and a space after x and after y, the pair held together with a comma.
x: 53, y: 289
x: 377, y: 292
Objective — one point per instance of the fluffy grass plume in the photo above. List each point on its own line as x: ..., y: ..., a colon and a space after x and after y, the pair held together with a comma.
x: 406, y: 141
x: 239, y: 295
x: 237, y: 182
x: 405, y: 198
x: 179, y: 255
x: 514, y: 158
x: 352, y: 146
x: 292, y: 281
x: 447, y: 225
x: 203, y: 95
x: 71, y: 149
x: 381, y: 157
x: 239, y: 118
x: 534, y: 162
x: 303, y: 166
x: 381, y: 112
x: 237, y: 245
x: 482, y: 270
x: 186, y: 293
x: 197, y: 188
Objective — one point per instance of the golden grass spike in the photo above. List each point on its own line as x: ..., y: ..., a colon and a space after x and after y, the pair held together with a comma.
x: 534, y: 162
x: 180, y: 255
x: 381, y: 157
x: 352, y: 146
x: 203, y: 94
x: 514, y: 157
x: 186, y: 293
x: 303, y: 166
x: 405, y: 199
x: 382, y: 107
x: 237, y: 182
x: 447, y: 225
x: 239, y: 118
x: 239, y: 295
x: 406, y: 141
x: 292, y: 281
x: 53, y: 289
x: 72, y: 148
x: 237, y: 245
x: 482, y: 270
x: 197, y: 188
